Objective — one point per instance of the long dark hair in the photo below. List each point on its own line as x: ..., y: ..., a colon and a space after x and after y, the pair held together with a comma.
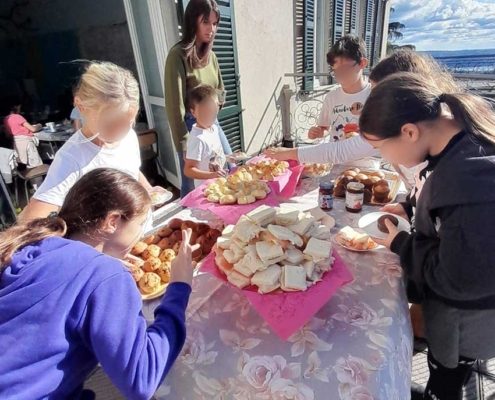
x: 410, y: 61
x: 195, y: 9
x: 86, y: 206
x: 410, y: 98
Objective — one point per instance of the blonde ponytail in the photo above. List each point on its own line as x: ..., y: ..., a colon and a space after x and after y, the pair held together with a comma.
x: 105, y: 85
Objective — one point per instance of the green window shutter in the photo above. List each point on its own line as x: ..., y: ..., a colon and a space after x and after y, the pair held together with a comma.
x: 309, y: 43
x: 230, y: 116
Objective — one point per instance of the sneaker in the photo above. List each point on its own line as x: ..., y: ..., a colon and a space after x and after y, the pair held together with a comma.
x: 417, y: 391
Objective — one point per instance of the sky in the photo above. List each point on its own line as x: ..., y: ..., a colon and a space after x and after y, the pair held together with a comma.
x: 446, y: 24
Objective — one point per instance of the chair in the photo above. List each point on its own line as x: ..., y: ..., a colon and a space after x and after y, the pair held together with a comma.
x: 29, y: 175
x: 148, y: 141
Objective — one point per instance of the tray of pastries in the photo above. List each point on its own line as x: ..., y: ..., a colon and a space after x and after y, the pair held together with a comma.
x: 380, y: 187
x: 266, y: 170
x: 275, y: 250
x: 316, y: 170
x: 239, y: 188
x: 150, y: 259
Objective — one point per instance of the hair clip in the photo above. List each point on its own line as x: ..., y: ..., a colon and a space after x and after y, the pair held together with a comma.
x: 442, y: 98
x: 52, y: 215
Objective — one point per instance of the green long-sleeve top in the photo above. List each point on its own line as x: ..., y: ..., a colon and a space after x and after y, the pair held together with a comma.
x: 179, y: 79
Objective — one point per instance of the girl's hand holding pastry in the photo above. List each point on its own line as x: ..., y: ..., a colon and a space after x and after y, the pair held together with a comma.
x: 183, y: 265
x: 393, y: 231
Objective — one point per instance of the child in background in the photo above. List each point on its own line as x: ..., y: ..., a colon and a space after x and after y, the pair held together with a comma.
x: 68, y: 303
x: 356, y: 147
x: 108, y: 99
x: 23, y: 133
x: 205, y: 158
x: 448, y: 259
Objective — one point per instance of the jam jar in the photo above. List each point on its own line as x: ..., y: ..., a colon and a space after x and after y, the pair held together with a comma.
x: 325, y: 197
x: 354, y: 197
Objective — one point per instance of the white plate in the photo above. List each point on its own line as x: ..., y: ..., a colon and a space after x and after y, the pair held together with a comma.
x: 162, y: 198
x: 235, y: 157
x: 368, y: 224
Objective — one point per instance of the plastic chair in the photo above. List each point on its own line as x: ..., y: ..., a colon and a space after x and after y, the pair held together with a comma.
x: 148, y: 141
x: 29, y: 175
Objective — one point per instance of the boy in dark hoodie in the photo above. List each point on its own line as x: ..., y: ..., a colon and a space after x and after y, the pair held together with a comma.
x: 449, y: 258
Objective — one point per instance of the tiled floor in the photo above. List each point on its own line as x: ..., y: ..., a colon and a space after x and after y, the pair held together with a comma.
x: 479, y: 387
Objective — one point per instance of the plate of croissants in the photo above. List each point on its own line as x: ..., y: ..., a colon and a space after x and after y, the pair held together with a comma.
x: 150, y: 259
x: 380, y: 187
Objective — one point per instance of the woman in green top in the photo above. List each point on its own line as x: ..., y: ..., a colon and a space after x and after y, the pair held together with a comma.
x: 190, y: 63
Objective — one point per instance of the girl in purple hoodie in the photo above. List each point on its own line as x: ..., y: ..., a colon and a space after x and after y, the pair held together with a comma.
x: 67, y: 303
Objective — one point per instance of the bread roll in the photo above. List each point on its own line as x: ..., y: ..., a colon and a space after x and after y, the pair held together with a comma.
x: 259, y: 194
x: 138, y: 248
x: 165, y: 232
x: 228, y: 199
x: 167, y: 255
x: 151, y: 239
x: 152, y: 264
x: 175, y: 223
x: 149, y: 283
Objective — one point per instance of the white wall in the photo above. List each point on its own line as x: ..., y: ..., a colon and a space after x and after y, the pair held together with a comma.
x: 265, y: 46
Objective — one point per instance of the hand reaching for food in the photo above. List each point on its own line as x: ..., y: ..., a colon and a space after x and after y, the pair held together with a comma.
x: 281, y: 153
x: 396, y: 209
x: 183, y: 265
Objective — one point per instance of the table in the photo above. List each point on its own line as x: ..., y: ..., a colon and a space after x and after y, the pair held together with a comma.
x: 49, y: 141
x: 357, y: 347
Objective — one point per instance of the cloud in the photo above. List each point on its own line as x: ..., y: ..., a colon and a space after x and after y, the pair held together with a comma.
x: 446, y: 24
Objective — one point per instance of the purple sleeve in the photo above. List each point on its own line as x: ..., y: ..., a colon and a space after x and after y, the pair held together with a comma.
x: 135, y: 357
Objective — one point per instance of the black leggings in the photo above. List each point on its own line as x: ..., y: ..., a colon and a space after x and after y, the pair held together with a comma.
x: 447, y: 383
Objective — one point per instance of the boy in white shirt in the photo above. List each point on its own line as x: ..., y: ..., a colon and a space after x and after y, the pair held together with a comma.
x: 341, y: 110
x: 205, y: 158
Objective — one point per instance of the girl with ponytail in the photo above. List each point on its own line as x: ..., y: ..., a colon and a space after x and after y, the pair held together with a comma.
x: 67, y: 303
x: 448, y: 258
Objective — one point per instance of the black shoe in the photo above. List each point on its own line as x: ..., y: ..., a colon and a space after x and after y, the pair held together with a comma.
x: 417, y: 391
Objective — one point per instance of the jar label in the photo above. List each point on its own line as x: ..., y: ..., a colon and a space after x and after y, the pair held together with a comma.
x: 326, y: 201
x: 354, y: 201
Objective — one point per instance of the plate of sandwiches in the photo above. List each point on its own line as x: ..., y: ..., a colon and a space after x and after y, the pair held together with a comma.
x: 150, y: 259
x: 374, y: 224
x: 275, y: 250
x: 356, y: 240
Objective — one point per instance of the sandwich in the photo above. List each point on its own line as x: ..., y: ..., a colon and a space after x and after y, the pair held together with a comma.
x: 293, y: 278
x: 309, y: 266
x: 352, y: 238
x: 263, y: 215
x: 238, y: 251
x: 228, y: 231
x: 293, y: 256
x: 239, y: 280
x: 246, y: 230
x: 360, y: 241
x: 318, y: 213
x: 287, y: 216
x: 231, y: 257
x: 346, y: 236
x: 304, y: 225
x: 262, y: 289
x: 281, y: 233
x: 326, y: 264
x: 267, y: 278
x: 318, y: 249
x: 224, y: 242
x: 252, y: 263
x: 223, y: 265
x: 269, y: 252
x: 241, y: 267
x: 320, y: 231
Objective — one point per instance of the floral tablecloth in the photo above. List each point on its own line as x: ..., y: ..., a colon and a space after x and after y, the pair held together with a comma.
x: 357, y: 347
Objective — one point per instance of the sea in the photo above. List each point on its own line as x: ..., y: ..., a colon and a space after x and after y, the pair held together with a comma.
x: 467, y: 61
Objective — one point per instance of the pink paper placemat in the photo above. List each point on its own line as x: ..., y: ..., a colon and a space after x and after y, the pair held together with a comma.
x: 288, y: 312
x: 229, y: 213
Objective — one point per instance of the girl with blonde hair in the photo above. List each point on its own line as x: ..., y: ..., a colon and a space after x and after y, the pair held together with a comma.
x: 108, y: 98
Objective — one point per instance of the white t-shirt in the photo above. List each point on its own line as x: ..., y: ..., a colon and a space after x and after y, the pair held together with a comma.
x: 204, y: 146
x: 79, y: 156
x: 341, y: 111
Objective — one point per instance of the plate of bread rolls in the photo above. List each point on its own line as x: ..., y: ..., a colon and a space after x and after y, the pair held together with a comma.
x: 380, y: 187
x: 151, y: 258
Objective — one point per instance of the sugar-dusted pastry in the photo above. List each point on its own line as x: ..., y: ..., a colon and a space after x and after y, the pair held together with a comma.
x: 151, y: 251
x: 213, y: 198
x: 152, y: 264
x: 164, y: 272
x: 138, y: 248
x: 228, y: 199
x: 149, y: 283
x: 246, y: 199
x: 167, y: 255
